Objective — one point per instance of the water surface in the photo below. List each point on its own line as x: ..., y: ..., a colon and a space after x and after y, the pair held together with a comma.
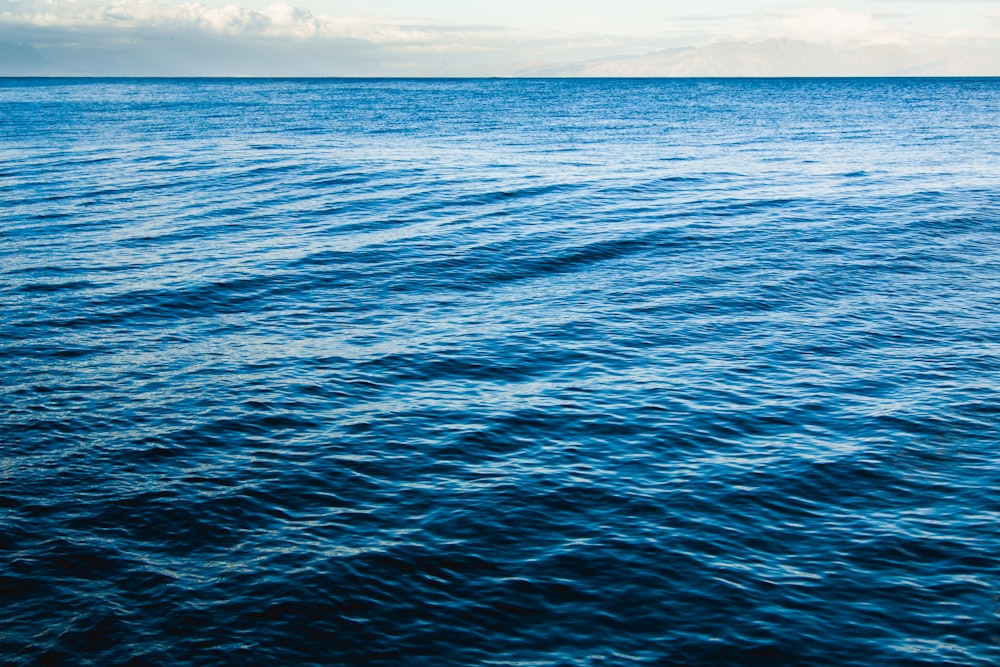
x: 516, y: 372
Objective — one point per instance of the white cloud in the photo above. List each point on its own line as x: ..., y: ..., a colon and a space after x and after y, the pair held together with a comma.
x: 280, y: 20
x: 830, y: 25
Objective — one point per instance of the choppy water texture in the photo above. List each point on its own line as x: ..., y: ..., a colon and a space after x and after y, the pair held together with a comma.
x: 500, y: 372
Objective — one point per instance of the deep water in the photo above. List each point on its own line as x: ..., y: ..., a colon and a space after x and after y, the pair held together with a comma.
x: 500, y: 372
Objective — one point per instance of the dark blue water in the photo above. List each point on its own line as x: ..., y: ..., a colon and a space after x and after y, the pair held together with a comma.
x: 500, y: 372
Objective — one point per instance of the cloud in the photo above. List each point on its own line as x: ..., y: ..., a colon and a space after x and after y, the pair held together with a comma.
x: 281, y: 20
x: 150, y: 37
x: 153, y: 37
x: 830, y: 25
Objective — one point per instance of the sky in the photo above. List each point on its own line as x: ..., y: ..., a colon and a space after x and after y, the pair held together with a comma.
x: 516, y: 37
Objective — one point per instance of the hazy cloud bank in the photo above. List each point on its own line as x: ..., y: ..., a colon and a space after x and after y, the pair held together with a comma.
x: 155, y: 38
x: 145, y: 37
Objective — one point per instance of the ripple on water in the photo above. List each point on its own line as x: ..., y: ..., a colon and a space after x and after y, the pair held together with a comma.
x: 499, y: 372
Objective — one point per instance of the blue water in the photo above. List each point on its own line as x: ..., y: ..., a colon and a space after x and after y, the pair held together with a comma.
x: 343, y: 372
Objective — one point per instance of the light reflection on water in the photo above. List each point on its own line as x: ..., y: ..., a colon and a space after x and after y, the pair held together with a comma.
x: 518, y: 372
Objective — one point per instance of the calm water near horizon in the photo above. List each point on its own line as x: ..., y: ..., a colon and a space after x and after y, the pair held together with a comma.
x: 500, y: 372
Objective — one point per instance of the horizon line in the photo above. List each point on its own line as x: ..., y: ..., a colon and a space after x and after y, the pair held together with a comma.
x: 291, y: 77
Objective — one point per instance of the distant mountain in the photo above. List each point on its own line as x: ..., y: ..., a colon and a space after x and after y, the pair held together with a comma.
x: 199, y: 54
x: 21, y: 60
x: 779, y: 58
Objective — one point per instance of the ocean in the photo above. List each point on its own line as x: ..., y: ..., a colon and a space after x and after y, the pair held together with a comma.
x: 499, y: 372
